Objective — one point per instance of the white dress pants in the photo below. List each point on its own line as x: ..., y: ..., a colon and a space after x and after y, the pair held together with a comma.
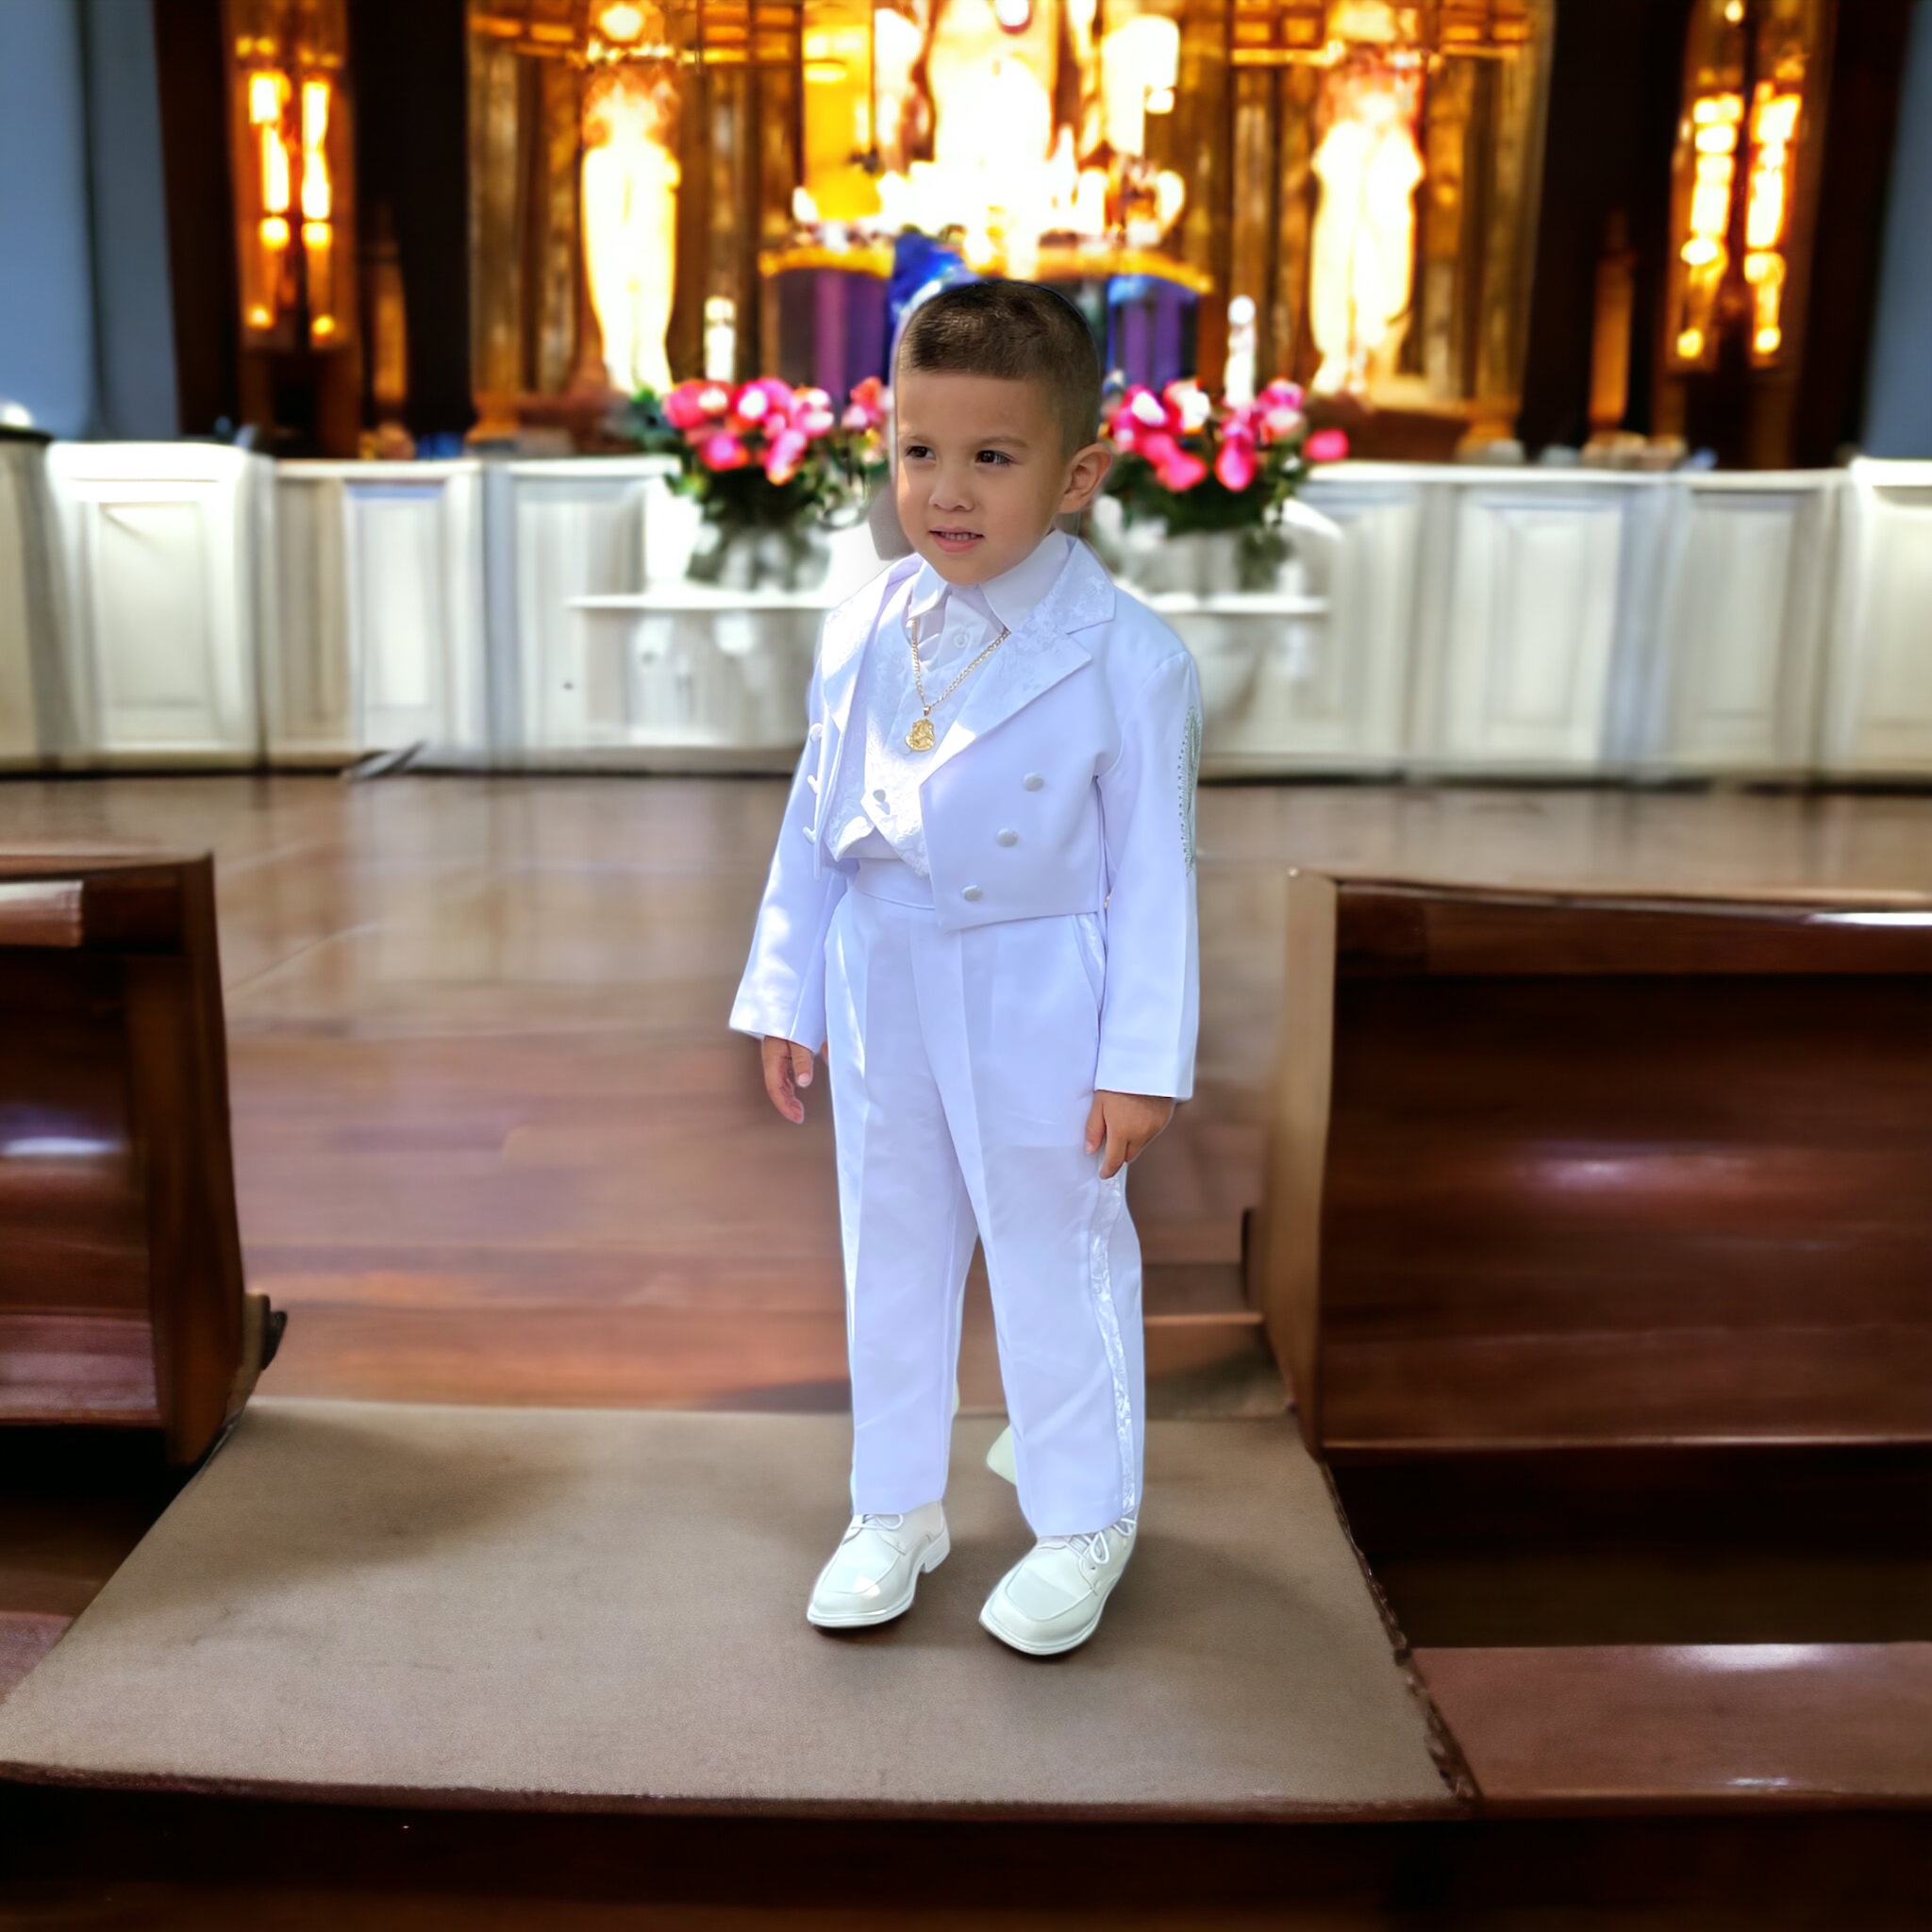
x: 962, y: 1073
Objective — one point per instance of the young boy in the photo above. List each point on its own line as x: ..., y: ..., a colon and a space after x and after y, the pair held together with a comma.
x: 982, y: 906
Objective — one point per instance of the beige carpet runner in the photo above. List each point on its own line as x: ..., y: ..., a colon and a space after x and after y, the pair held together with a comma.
x: 554, y: 1605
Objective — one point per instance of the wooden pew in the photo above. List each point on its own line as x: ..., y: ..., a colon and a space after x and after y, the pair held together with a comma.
x: 1597, y: 1248
x: 121, y: 1287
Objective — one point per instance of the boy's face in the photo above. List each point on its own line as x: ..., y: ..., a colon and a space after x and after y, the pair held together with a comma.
x: 981, y: 470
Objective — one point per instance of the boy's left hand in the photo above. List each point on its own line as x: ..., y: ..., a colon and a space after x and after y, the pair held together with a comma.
x: 1126, y: 1122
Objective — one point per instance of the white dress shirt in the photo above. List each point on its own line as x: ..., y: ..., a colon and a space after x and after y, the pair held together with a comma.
x: 877, y: 812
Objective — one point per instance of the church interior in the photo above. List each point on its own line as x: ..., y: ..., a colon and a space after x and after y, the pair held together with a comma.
x: 434, y: 436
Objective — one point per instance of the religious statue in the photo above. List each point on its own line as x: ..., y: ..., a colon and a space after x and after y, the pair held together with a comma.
x: 1363, y: 249
x: 1016, y: 119
x: 629, y: 184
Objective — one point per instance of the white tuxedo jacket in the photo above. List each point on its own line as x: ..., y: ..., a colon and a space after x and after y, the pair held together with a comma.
x: 1063, y: 784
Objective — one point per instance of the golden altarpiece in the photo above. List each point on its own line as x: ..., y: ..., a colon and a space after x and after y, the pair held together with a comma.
x: 1749, y: 158
x: 1341, y: 190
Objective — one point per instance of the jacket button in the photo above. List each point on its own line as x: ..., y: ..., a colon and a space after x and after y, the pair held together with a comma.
x: 1009, y: 838
x: 878, y: 791
x: 1033, y: 781
x: 971, y: 892
x: 817, y: 731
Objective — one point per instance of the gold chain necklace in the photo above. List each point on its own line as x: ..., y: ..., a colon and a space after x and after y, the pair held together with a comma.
x: 923, y: 737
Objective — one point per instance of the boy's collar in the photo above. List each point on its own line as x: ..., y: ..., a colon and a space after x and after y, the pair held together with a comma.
x: 1012, y: 596
x: 1081, y: 596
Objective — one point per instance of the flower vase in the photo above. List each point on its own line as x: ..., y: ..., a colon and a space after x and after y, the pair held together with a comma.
x: 1266, y: 559
x: 748, y: 556
x: 1216, y: 556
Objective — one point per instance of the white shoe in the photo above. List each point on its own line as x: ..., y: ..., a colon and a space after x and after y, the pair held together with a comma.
x: 877, y: 1568
x: 1051, y: 1598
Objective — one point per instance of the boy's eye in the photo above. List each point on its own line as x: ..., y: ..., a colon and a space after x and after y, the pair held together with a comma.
x: 992, y: 456
x: 915, y: 453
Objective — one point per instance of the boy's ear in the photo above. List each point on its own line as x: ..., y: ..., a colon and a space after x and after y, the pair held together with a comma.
x: 1086, y: 474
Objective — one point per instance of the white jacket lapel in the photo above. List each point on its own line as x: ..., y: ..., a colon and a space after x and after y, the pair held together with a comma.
x: 1036, y: 657
x: 849, y: 628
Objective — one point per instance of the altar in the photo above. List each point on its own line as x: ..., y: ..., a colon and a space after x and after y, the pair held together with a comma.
x: 724, y: 190
x: 209, y: 607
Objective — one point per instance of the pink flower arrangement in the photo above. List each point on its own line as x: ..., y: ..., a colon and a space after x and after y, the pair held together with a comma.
x: 763, y: 452
x: 766, y: 422
x: 1194, y: 463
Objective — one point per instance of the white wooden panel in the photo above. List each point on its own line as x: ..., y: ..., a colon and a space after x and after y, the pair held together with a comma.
x: 719, y: 680
x: 165, y: 554
x: 415, y: 611
x: 1880, y: 714
x: 382, y: 594
x: 1743, y: 625
x: 1524, y: 644
x: 153, y: 609
x: 306, y: 693
x: 1335, y: 690
x: 575, y: 536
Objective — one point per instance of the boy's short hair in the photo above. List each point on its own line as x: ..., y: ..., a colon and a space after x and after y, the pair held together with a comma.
x: 1021, y: 332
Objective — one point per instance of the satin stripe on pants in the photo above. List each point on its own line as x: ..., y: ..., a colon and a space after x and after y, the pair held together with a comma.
x: 962, y: 1073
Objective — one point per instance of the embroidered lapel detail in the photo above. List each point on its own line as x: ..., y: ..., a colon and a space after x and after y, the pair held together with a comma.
x: 1036, y: 657
x: 849, y: 628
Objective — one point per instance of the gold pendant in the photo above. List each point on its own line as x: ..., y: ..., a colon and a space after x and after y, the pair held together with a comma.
x: 921, y: 738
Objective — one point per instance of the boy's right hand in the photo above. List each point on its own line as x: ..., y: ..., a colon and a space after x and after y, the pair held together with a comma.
x: 788, y: 1068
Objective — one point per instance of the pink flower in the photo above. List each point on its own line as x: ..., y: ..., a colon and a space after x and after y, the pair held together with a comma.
x: 855, y: 417
x: 682, y: 408
x: 869, y: 401
x: 1280, y: 420
x: 766, y: 401
x: 782, y: 459
x: 1143, y: 407
x: 818, y: 421
x: 1182, y: 471
x: 1158, y: 447
x: 1233, y: 465
x: 713, y: 398
x: 1325, y: 447
x: 722, y: 450
x: 1188, y: 406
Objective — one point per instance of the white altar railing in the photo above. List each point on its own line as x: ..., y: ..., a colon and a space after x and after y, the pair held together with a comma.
x: 204, y: 605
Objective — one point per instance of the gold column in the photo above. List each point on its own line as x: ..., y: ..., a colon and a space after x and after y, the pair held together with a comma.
x: 1442, y: 334
x: 1521, y: 89
x: 1202, y: 155
x: 496, y: 239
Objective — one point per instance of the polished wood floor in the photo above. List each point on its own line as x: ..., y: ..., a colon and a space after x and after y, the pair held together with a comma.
x: 494, y: 1143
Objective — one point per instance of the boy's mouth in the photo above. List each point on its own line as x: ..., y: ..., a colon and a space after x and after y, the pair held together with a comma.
x: 956, y: 541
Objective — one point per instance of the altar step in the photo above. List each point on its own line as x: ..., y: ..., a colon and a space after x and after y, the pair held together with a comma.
x: 727, y: 1337
x: 400, y: 1604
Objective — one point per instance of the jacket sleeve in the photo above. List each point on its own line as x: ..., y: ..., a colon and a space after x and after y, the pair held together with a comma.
x: 1150, y: 1012
x: 783, y: 990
